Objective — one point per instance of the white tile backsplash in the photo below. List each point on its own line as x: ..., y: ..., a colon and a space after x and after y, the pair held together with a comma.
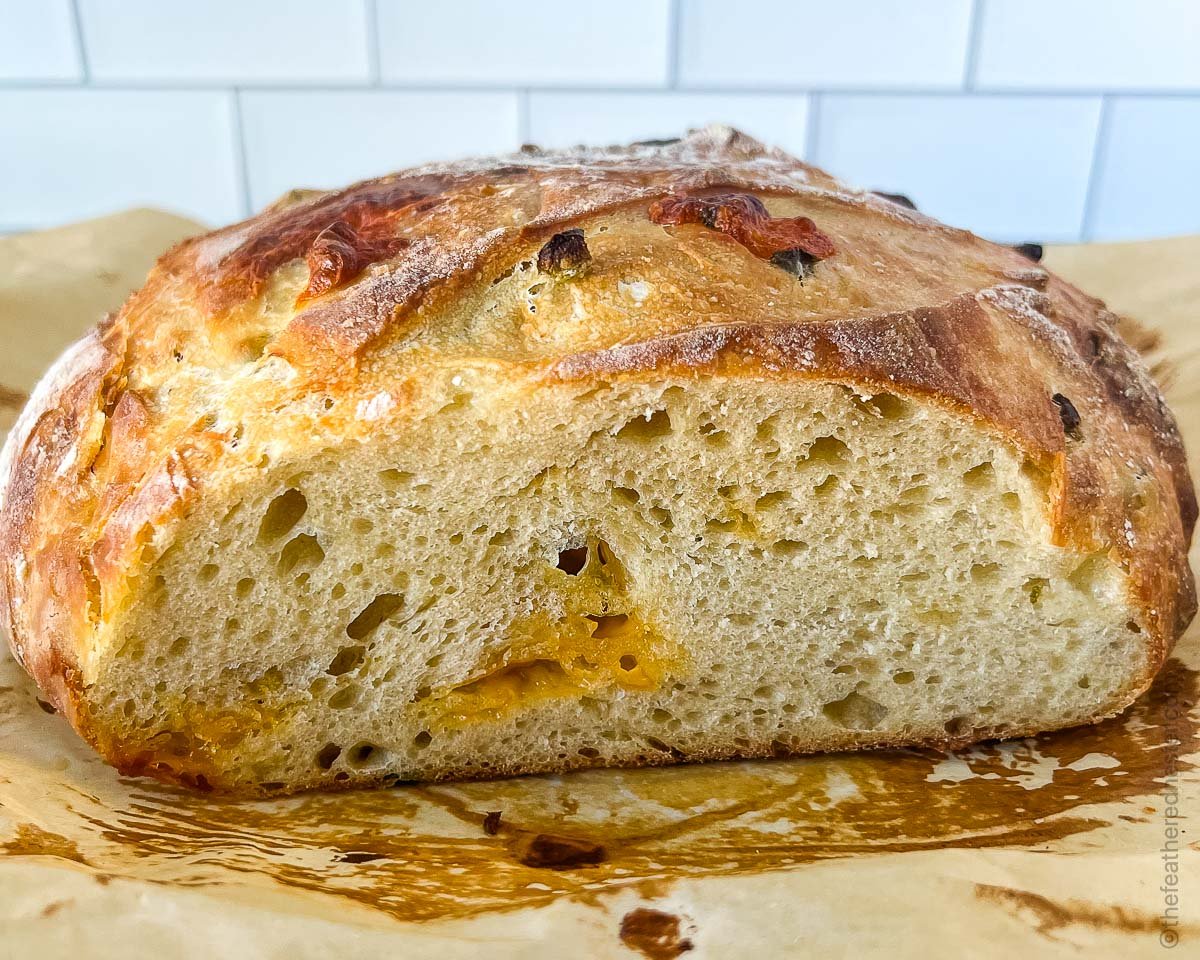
x: 1146, y: 181
x: 69, y: 154
x: 565, y: 119
x: 815, y: 43
x: 37, y: 41
x: 1006, y: 167
x: 1090, y: 44
x: 609, y: 43
x: 330, y: 139
x: 986, y: 110
x: 226, y: 41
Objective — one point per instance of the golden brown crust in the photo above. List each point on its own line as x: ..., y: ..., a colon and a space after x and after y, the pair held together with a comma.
x: 309, y: 309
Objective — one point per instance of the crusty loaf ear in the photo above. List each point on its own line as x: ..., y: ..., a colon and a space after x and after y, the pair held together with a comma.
x: 629, y: 456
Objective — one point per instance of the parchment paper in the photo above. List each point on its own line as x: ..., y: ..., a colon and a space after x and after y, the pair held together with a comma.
x: 1051, y: 846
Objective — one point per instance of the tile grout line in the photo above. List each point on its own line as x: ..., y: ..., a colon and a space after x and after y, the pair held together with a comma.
x: 239, y: 151
x: 374, y: 68
x: 674, y: 13
x: 974, y: 39
x: 812, y: 122
x: 524, y: 134
x: 77, y: 22
x: 223, y: 85
x: 1099, y: 152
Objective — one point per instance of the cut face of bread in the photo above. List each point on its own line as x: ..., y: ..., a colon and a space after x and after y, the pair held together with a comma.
x: 640, y: 455
x: 627, y: 573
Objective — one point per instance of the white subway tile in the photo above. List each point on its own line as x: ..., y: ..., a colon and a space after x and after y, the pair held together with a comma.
x: 1009, y: 168
x: 247, y: 41
x: 1090, y: 44
x: 69, y: 154
x: 815, y: 43
x: 1146, y: 175
x: 609, y: 43
x: 37, y: 40
x: 332, y: 139
x: 566, y: 119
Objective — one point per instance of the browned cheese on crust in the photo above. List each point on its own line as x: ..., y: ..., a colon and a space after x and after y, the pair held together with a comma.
x: 137, y: 419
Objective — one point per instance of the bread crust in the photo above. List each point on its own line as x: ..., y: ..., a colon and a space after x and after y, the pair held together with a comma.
x: 267, y: 337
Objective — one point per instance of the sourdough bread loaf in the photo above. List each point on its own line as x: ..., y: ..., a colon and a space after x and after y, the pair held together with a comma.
x: 677, y: 451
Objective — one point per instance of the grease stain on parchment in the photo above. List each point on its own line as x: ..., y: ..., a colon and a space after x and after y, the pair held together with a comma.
x: 421, y: 852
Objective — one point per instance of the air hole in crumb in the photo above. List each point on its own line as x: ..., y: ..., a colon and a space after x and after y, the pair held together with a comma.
x: 361, y: 753
x: 328, y: 755
x: 1034, y: 587
x: 573, y: 560
x: 302, y: 552
x: 903, y: 678
x: 855, y: 712
x: 1085, y: 682
x: 662, y: 517
x: 1132, y: 626
x: 889, y: 406
x: 283, y: 513
x: 378, y: 610
x: 394, y: 479
x: 423, y: 739
x: 604, y: 553
x: 658, y: 424
x: 826, y: 486
x: 1091, y: 576
x: 766, y: 428
x: 958, y: 727
x: 628, y: 662
x: 788, y: 548
x: 626, y: 494
x: 208, y: 572
x: 589, y: 753
x: 769, y: 501
x: 347, y: 659
x: 984, y: 571
x: 345, y: 697
x: 826, y: 450
x: 610, y: 626
x: 982, y: 475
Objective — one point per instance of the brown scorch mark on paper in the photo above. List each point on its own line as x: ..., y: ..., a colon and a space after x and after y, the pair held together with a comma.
x: 742, y: 217
x: 12, y: 399
x: 1051, y: 916
x: 654, y: 934
x: 32, y: 841
x: 558, y: 853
